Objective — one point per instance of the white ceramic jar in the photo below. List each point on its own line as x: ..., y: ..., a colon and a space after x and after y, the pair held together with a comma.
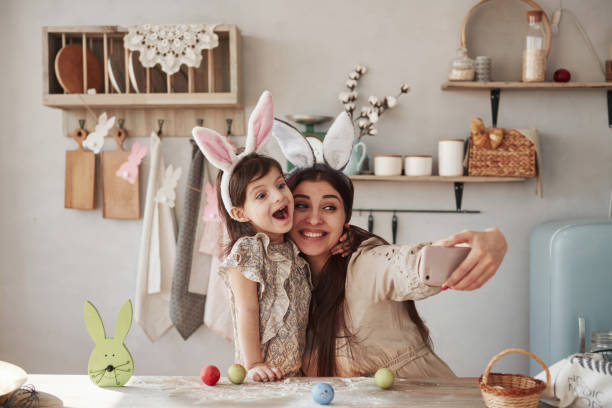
x: 417, y: 165
x: 450, y: 157
x: 387, y: 165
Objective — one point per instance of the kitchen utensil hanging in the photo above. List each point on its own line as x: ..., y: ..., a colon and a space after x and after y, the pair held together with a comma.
x: 80, y: 179
x: 120, y: 199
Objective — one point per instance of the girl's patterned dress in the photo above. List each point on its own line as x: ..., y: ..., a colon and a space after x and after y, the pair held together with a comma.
x: 284, y: 290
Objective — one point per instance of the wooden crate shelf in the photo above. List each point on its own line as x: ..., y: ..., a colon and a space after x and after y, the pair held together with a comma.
x: 216, y: 83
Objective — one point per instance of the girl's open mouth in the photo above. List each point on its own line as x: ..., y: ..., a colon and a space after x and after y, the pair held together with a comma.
x: 281, y: 214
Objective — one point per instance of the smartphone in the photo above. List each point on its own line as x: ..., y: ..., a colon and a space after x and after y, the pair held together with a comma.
x: 438, y: 262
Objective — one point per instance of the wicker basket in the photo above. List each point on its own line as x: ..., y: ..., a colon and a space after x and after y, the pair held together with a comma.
x: 515, y: 157
x: 512, y: 390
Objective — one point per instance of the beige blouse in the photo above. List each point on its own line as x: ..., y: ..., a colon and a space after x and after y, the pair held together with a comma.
x: 284, y: 290
x: 379, y: 279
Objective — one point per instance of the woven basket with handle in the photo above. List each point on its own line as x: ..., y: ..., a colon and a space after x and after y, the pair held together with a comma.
x: 536, y: 6
x: 512, y: 390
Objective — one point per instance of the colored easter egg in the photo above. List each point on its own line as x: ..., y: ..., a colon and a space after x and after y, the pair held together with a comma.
x: 236, y: 373
x: 322, y: 393
x: 384, y: 378
x: 210, y: 375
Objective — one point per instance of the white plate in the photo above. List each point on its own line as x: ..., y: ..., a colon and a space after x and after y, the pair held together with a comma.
x: 111, y: 76
x: 11, y: 377
x: 131, y: 70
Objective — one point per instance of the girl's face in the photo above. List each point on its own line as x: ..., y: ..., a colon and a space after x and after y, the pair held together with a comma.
x: 319, y: 218
x: 268, y: 206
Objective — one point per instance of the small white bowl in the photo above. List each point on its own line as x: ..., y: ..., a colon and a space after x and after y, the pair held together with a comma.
x: 387, y: 165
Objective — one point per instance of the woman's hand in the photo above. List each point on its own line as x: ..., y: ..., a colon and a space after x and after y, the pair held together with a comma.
x: 343, y: 246
x: 263, y: 372
x: 488, y: 251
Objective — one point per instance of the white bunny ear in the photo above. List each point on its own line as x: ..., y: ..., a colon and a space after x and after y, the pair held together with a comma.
x: 102, y: 118
x: 215, y: 147
x: 338, y: 142
x: 294, y: 145
x: 260, y: 123
x: 109, y: 124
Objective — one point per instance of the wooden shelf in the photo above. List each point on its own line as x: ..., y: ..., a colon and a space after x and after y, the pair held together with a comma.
x: 525, y: 85
x: 141, y: 100
x: 437, y: 179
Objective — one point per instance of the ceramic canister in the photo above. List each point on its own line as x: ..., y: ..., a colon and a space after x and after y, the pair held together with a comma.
x: 417, y: 165
x: 450, y: 157
x: 387, y: 165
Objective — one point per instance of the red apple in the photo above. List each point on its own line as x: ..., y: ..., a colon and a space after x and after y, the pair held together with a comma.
x: 210, y: 375
x: 562, y: 75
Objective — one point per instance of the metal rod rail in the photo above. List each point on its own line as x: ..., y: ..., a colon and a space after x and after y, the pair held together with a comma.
x: 391, y: 210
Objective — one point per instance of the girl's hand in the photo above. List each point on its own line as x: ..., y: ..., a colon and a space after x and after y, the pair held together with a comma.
x: 487, y: 253
x: 343, y: 246
x: 263, y: 372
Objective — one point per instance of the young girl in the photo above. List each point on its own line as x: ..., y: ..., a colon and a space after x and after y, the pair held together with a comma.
x: 269, y: 282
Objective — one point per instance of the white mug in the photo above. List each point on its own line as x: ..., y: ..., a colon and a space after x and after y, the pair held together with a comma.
x: 450, y: 157
x: 387, y: 165
x: 417, y: 165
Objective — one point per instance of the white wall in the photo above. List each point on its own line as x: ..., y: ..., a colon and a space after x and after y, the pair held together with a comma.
x: 54, y: 259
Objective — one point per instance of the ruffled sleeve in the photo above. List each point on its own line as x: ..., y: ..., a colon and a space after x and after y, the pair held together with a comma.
x: 387, y: 272
x: 248, y: 256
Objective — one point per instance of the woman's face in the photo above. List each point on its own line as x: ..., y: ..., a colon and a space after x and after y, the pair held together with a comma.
x: 318, y: 218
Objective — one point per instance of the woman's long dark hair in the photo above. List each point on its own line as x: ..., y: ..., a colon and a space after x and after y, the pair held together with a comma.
x: 326, y: 321
x: 250, y: 168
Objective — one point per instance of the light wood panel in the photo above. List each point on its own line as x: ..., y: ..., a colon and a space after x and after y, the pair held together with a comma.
x: 177, y: 122
x: 525, y: 85
x: 436, y: 179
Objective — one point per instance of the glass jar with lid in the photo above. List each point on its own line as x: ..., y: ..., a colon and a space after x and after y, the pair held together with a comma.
x: 534, y: 53
x: 461, y: 67
x: 602, y: 342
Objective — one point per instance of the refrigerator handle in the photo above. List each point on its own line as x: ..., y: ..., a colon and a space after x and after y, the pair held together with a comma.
x: 581, y: 334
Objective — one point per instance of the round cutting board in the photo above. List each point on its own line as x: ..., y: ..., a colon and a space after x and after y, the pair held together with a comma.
x: 69, y: 69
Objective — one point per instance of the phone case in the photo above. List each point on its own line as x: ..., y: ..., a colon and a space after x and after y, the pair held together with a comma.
x: 437, y: 263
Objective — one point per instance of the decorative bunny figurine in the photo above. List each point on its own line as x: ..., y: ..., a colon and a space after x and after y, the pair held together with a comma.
x: 110, y: 362
x: 95, y: 140
x: 129, y: 170
x: 166, y: 193
x: 220, y: 153
x: 211, y: 211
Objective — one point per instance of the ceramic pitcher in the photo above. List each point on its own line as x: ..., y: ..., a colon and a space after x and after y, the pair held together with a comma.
x: 356, y: 161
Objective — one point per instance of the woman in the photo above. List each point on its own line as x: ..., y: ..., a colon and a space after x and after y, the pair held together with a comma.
x: 362, y: 313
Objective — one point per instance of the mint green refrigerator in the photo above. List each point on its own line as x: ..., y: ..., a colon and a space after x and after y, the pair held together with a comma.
x: 570, y: 272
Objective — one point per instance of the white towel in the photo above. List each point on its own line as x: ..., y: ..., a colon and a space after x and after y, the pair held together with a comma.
x: 579, y: 381
x: 157, y: 252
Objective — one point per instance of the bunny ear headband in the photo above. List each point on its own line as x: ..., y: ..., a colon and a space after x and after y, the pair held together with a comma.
x: 337, y: 143
x: 220, y: 153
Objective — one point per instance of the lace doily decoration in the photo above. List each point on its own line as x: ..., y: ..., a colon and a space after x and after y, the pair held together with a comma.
x: 171, y: 45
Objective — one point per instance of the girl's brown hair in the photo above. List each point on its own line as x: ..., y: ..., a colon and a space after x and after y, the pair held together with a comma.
x: 250, y: 168
x: 326, y: 318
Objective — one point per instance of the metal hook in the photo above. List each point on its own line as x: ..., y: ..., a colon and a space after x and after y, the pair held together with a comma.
x: 120, y: 122
x: 394, y: 227
x: 200, y: 122
x: 370, y: 222
x: 229, y: 126
x: 160, y: 123
x: 81, y: 123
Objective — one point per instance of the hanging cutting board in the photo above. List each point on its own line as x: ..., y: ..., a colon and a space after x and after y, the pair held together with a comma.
x: 79, y: 190
x: 120, y: 198
x: 69, y: 69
